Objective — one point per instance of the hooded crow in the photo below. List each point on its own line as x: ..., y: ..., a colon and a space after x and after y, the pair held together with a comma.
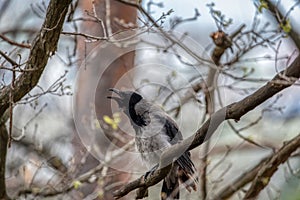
x: 156, y: 131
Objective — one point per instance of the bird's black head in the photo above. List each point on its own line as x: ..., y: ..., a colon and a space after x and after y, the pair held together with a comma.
x: 125, y: 99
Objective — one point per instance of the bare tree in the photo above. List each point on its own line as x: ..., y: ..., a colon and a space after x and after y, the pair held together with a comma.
x: 108, y: 38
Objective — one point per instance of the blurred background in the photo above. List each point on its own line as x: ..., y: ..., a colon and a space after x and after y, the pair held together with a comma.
x: 67, y: 134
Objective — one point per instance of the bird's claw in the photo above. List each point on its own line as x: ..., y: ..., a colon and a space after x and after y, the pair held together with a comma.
x: 150, y: 172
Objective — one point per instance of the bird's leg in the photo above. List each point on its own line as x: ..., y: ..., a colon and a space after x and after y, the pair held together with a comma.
x: 150, y: 172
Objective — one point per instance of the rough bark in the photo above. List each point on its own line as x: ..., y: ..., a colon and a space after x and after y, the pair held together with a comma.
x: 240, y: 181
x: 279, y: 15
x: 43, y: 46
x: 267, y: 170
x: 3, y: 151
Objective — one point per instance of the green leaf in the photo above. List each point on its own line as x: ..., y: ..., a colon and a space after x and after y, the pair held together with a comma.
x: 263, y: 5
x: 77, y: 184
x: 286, y: 26
x: 174, y: 73
x: 100, y: 194
x: 250, y: 138
x: 218, y: 13
x: 265, y: 180
x: 245, y: 70
x: 108, y: 120
x: 113, y: 122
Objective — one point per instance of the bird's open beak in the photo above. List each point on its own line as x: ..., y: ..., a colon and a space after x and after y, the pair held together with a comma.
x: 118, y: 98
x: 114, y: 90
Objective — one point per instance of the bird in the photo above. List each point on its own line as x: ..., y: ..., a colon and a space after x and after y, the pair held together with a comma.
x: 155, y: 131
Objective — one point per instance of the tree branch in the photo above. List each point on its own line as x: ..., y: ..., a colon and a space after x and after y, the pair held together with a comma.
x: 241, y: 181
x: 165, y: 34
x: 143, y: 183
x: 222, y: 42
x: 269, y: 167
x: 233, y: 111
x: 22, y: 45
x: 259, y: 169
x: 43, y: 47
x: 3, y: 151
x: 274, y: 10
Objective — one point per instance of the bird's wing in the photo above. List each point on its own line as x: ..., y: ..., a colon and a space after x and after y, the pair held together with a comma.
x: 185, y: 162
x: 172, y: 130
x: 186, y: 170
x: 159, y: 120
x: 175, y: 136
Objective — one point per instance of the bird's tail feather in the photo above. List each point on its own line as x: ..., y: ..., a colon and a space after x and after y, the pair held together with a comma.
x: 170, y: 192
x: 170, y: 188
x: 183, y: 172
x: 189, y: 181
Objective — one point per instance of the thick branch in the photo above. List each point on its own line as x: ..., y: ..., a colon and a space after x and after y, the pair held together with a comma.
x: 143, y: 184
x: 222, y: 42
x: 3, y: 151
x: 241, y: 181
x: 267, y: 166
x: 42, y: 48
x: 233, y: 111
x: 267, y: 170
x: 275, y: 11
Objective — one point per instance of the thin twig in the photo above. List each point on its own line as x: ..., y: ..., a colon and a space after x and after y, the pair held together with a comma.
x: 268, y: 168
x: 3, y: 37
x: 11, y: 61
x: 233, y: 111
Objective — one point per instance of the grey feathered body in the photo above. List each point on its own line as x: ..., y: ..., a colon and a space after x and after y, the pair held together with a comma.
x: 156, y: 131
x: 149, y: 140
